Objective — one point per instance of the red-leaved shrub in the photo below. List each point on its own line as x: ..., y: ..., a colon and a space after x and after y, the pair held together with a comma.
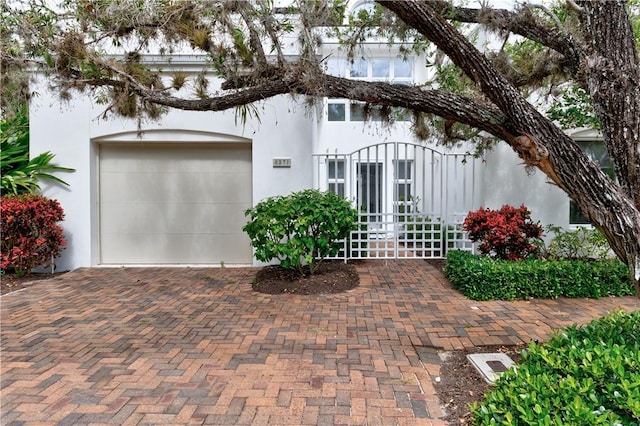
x: 30, y: 233
x: 507, y: 233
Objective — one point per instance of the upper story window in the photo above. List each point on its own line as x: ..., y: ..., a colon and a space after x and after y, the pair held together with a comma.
x: 394, y: 70
x: 345, y: 110
x: 377, y: 69
x: 598, y: 153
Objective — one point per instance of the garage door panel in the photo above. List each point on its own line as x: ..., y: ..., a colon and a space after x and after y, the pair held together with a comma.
x: 176, y: 187
x: 173, y: 218
x: 174, y: 204
x: 161, y: 158
x: 146, y: 249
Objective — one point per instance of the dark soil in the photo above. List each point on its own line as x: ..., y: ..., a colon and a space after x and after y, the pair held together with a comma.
x: 330, y: 277
x: 11, y: 282
x: 437, y: 263
x: 460, y: 384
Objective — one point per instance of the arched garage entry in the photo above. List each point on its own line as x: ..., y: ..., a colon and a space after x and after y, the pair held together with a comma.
x: 173, y: 197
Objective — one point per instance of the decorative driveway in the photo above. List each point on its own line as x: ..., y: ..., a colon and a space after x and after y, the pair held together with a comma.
x: 197, y: 346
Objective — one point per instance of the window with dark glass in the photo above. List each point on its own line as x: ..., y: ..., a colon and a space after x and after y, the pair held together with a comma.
x: 335, y: 176
x: 336, y: 111
x: 598, y: 153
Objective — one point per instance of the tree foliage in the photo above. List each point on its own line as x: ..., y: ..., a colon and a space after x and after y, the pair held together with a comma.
x: 256, y: 50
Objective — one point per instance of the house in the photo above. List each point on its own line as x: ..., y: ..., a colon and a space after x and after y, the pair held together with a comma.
x: 174, y: 192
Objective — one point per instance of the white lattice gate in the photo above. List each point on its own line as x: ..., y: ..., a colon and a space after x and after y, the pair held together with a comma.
x: 411, y: 199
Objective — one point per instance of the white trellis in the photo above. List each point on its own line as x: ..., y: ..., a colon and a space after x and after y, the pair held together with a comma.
x: 411, y: 199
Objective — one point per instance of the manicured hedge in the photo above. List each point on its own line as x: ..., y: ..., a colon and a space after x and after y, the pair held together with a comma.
x: 583, y: 376
x: 482, y: 278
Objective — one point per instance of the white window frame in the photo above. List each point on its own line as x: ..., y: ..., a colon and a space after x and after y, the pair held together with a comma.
x: 335, y: 179
x: 407, y: 181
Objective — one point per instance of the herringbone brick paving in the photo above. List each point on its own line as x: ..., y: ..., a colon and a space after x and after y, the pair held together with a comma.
x: 192, y: 346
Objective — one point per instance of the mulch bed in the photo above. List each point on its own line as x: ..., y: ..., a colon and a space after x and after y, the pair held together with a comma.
x: 460, y: 383
x: 330, y: 277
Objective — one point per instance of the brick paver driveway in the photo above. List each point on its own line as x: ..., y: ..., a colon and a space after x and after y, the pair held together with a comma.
x: 197, y: 346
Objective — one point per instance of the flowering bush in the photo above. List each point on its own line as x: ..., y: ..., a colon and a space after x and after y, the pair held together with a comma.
x: 506, y: 234
x: 30, y: 234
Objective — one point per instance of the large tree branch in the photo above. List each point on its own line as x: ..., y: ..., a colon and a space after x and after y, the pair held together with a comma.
x: 450, y: 106
x: 523, y: 23
x: 447, y: 105
x: 466, y: 56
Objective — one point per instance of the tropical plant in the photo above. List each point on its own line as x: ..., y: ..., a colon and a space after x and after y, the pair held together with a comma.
x: 582, y: 243
x: 507, y: 233
x: 587, y: 375
x: 19, y: 174
x: 30, y: 234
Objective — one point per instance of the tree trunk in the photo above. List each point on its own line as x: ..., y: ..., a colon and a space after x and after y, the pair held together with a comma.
x: 613, y: 78
x: 539, y: 142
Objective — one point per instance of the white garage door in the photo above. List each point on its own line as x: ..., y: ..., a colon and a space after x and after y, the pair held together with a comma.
x: 174, y: 204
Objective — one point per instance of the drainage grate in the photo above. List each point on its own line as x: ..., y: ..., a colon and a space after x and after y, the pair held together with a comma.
x: 492, y: 365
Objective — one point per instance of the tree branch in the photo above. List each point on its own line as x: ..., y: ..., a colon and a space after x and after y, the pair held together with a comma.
x: 447, y: 105
x: 523, y: 23
x: 244, y: 8
x: 290, y: 79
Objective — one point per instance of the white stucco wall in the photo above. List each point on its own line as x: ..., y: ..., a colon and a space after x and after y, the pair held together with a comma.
x: 71, y: 131
x: 505, y: 181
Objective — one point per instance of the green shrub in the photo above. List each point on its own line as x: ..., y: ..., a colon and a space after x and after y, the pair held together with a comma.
x: 582, y: 243
x: 482, y: 278
x: 304, y: 227
x: 583, y: 376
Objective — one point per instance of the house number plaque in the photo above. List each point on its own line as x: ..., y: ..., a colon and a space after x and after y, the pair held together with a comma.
x: 282, y: 162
